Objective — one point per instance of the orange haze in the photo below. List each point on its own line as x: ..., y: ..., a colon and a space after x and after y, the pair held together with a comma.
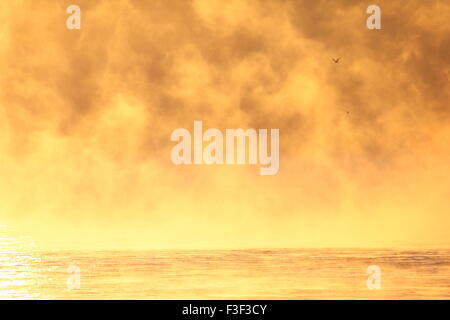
x: 86, y: 117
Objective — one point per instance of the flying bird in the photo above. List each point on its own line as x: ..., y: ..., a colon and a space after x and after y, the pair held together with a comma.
x: 336, y: 60
x: 345, y: 110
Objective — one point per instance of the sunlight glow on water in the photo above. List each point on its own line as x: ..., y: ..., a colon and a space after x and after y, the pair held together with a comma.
x: 17, y: 269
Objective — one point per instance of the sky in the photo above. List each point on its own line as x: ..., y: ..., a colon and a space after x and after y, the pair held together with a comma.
x: 86, y: 117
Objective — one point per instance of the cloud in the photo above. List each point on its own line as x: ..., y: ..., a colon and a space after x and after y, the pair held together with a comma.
x: 86, y: 117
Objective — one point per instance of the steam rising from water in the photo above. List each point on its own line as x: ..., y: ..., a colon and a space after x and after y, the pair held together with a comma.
x: 86, y: 117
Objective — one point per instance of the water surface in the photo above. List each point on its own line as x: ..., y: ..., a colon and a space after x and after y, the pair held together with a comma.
x: 27, y: 273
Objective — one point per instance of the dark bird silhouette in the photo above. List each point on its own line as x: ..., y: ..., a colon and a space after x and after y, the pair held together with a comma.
x: 345, y: 110
x: 336, y: 60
